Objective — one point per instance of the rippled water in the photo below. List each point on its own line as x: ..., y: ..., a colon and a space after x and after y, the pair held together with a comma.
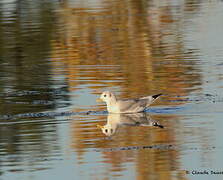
x: 56, y: 57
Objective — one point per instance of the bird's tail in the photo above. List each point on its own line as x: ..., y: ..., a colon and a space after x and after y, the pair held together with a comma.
x: 151, y: 99
x: 156, y: 96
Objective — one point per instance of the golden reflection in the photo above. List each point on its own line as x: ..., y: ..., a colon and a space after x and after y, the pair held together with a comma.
x: 123, y: 46
x: 135, y: 46
x: 110, y: 48
x: 129, y: 130
x: 134, y: 119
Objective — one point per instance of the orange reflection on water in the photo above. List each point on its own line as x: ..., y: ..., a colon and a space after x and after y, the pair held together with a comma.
x: 117, y: 47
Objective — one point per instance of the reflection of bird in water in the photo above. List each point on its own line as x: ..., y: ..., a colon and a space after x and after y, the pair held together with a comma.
x: 126, y: 106
x: 116, y: 120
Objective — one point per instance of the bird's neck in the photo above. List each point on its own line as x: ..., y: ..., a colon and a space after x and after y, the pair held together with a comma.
x: 111, y: 105
x: 112, y: 100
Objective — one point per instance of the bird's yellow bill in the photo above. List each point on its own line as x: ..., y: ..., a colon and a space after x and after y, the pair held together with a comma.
x: 99, y: 126
x: 99, y: 100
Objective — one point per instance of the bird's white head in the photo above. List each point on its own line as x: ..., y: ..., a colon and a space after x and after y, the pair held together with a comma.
x: 107, y: 96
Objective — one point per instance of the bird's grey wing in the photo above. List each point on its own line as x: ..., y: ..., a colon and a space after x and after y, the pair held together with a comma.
x: 132, y: 105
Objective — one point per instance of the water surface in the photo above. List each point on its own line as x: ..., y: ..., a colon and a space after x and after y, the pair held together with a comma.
x: 56, y: 57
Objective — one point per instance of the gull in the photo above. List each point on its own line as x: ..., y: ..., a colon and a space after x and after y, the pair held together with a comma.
x: 116, y: 120
x: 115, y: 105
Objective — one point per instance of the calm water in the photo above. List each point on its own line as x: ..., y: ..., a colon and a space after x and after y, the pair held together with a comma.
x: 56, y: 57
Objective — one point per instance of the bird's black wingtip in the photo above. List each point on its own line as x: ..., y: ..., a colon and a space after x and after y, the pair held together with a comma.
x: 158, y: 125
x: 156, y: 96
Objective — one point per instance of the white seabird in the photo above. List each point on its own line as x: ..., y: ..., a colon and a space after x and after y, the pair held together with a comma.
x: 115, y: 105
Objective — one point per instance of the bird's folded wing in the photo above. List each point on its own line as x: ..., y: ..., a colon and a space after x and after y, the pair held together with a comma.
x: 132, y: 105
x: 150, y: 99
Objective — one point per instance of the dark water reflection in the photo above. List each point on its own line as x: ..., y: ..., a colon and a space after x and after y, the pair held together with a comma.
x: 56, y: 57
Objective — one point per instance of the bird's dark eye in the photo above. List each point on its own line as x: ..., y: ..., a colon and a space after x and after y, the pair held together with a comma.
x: 105, y: 95
x: 106, y: 130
